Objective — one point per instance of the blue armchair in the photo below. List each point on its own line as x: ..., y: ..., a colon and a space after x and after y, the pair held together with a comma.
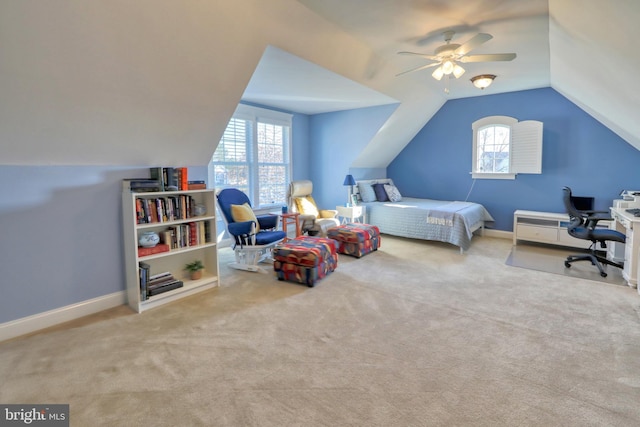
x: 254, y: 236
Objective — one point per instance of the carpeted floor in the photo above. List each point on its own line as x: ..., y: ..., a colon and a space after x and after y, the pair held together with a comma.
x: 415, y: 334
x: 551, y: 259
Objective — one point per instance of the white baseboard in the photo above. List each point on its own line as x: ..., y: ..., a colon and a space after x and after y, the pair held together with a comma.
x: 488, y: 232
x: 29, y: 324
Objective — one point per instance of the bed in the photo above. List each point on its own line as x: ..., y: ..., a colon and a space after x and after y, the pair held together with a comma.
x: 445, y: 221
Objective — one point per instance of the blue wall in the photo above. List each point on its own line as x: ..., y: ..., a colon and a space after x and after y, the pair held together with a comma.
x: 61, y: 236
x: 336, y: 140
x: 578, y: 151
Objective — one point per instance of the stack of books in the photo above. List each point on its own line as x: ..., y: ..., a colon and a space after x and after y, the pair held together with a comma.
x: 156, y: 284
x: 171, y: 179
x: 140, y: 185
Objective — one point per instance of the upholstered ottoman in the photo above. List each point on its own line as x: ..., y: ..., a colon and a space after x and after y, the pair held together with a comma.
x: 305, y: 259
x: 355, y: 239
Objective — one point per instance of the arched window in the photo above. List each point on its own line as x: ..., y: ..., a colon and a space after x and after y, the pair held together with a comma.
x: 504, y: 147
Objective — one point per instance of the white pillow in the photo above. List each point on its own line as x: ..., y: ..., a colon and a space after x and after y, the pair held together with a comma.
x: 366, y: 192
x: 392, y: 193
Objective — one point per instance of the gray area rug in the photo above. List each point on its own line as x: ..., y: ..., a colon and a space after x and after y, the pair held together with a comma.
x: 551, y: 259
x: 415, y: 334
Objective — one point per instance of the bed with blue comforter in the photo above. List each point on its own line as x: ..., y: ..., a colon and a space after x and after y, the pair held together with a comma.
x: 445, y: 221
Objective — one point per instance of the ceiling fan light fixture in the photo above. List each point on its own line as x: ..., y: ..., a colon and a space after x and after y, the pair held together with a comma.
x: 483, y: 80
x: 458, y: 71
x: 447, y: 67
x: 438, y: 73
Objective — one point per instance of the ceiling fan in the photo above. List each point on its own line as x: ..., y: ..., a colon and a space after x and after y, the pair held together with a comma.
x: 450, y: 54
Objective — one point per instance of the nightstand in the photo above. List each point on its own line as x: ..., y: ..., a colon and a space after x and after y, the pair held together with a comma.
x: 351, y: 214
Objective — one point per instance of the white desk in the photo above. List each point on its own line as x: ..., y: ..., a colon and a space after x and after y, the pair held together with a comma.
x: 629, y: 225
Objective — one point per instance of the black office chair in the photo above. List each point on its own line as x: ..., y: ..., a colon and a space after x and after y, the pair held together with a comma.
x: 583, y: 225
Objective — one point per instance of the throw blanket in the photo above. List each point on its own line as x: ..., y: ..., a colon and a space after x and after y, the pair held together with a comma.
x: 444, y: 214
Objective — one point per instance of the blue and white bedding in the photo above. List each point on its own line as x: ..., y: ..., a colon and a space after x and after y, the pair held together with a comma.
x: 445, y: 221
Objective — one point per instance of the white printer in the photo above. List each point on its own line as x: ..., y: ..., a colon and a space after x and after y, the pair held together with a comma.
x: 630, y: 199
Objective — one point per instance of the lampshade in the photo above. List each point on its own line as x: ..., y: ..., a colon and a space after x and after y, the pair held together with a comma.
x: 482, y: 81
x: 447, y: 67
x: 348, y: 180
x: 438, y: 73
x: 457, y: 71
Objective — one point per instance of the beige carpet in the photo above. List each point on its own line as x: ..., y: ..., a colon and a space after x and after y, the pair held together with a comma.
x: 415, y: 334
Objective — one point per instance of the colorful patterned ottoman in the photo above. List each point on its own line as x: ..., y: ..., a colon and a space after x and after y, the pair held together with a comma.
x: 355, y: 239
x: 305, y: 259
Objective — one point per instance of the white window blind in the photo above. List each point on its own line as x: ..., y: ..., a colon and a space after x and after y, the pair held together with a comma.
x: 254, y: 155
x: 527, y: 147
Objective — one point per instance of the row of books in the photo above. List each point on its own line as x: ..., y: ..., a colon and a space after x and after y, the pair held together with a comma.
x: 184, y: 235
x: 151, y: 285
x: 171, y: 179
x: 175, y: 179
x: 163, y: 179
x: 178, y: 237
x: 164, y: 209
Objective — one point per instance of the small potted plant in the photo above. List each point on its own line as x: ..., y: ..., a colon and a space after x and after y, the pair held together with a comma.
x: 195, y: 269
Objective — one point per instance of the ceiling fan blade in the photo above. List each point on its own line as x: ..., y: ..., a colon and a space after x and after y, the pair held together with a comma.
x: 422, y: 67
x: 422, y: 55
x: 473, y: 43
x: 490, y: 57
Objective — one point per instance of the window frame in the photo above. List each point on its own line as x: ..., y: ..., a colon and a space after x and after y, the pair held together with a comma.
x: 256, y: 116
x: 481, y: 124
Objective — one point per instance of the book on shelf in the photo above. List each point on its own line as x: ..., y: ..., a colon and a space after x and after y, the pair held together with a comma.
x: 145, y: 269
x: 140, y: 185
x: 170, y: 179
x: 183, y: 183
x: 197, y: 185
x: 158, y: 283
x: 165, y: 287
x: 160, y: 275
x: 159, y: 248
x: 158, y: 175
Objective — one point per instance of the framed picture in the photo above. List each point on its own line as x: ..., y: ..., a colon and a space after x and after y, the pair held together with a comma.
x: 354, y: 200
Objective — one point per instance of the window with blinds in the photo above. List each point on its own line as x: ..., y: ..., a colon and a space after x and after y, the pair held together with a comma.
x: 254, y: 155
x: 504, y: 147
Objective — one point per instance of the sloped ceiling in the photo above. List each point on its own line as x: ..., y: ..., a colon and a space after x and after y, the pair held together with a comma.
x: 154, y: 82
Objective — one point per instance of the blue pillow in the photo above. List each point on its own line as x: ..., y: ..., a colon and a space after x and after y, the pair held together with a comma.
x: 366, y: 192
x: 381, y: 194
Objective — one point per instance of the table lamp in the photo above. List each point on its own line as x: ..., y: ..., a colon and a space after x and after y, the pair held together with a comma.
x: 348, y: 180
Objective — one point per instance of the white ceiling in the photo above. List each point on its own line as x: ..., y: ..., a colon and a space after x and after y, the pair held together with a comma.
x: 285, y: 81
x: 154, y: 82
x: 575, y: 47
x: 388, y: 27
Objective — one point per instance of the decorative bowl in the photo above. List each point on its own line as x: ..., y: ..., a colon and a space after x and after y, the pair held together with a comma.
x: 148, y: 239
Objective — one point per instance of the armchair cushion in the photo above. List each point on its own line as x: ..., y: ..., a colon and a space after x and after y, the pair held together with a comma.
x: 240, y: 228
x: 307, y: 206
x: 328, y: 213
x: 243, y: 213
x: 266, y: 222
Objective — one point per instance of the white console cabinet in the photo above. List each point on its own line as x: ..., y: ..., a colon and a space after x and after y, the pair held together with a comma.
x: 546, y: 227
